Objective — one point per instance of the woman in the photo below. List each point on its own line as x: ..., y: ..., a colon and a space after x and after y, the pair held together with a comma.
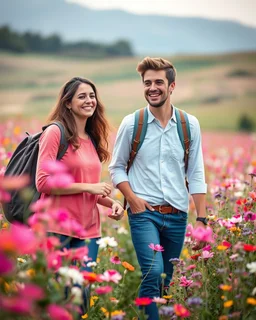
x: 82, y: 114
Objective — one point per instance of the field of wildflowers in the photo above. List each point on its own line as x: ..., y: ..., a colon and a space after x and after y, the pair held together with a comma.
x: 217, y: 282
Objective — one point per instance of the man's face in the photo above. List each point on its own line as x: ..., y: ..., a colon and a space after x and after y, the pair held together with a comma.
x: 156, y: 89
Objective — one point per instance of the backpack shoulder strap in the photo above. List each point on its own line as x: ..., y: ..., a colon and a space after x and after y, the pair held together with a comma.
x: 184, y: 133
x: 63, y: 141
x: 139, y: 133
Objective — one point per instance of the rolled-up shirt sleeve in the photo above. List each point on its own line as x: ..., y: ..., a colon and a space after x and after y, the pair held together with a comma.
x: 48, y: 149
x: 121, y: 152
x: 195, y: 173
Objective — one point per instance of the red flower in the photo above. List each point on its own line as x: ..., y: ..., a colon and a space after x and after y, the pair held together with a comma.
x: 144, y: 301
x: 181, y: 311
x: 249, y: 247
x: 195, y: 256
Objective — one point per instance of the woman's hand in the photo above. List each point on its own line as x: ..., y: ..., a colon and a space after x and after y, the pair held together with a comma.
x: 101, y: 188
x: 117, y: 211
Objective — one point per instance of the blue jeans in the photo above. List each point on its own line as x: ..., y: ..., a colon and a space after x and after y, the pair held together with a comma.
x: 70, y: 242
x: 168, y: 230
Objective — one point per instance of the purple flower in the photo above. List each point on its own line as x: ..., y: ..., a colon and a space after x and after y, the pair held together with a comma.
x: 166, y: 311
x: 194, y: 302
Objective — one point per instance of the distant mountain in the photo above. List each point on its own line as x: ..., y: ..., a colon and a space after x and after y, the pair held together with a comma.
x: 150, y: 34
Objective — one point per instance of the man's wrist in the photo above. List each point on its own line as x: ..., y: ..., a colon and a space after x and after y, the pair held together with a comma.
x: 204, y: 220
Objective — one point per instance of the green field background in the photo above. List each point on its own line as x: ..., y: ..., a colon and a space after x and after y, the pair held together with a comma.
x: 217, y: 89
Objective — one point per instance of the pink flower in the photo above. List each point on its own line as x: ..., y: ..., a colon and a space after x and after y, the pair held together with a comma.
x: 111, y: 275
x: 156, y: 247
x: 60, y: 180
x: 207, y: 248
x: 103, y: 290
x: 60, y: 215
x: 16, y: 304
x: 58, y: 313
x: 54, y: 260
x: 80, y: 254
x: 52, y: 242
x: 41, y: 205
x: 54, y: 167
x: 206, y: 255
x: 14, y: 182
x: 191, y: 267
x: 236, y: 219
x: 20, y: 239
x: 159, y: 300
x: 73, y: 227
x: 184, y: 282
x: 115, y: 260
x: 32, y: 292
x: 6, y: 265
x: 4, y: 196
x: 181, y: 311
x: 203, y: 234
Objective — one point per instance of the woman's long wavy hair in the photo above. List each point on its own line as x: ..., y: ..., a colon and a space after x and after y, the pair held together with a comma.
x: 97, y: 125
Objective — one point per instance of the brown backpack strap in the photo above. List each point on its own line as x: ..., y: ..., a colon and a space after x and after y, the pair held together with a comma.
x: 186, y: 139
x: 136, y: 140
x: 135, y: 144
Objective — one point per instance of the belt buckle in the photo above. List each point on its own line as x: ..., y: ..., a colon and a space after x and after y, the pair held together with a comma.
x: 160, y: 209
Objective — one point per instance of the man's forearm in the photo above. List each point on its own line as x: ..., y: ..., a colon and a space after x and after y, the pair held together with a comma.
x: 200, y: 204
x: 126, y: 190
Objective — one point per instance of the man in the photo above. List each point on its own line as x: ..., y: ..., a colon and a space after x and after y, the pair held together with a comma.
x: 157, y: 178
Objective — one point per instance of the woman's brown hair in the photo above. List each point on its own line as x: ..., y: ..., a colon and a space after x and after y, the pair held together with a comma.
x: 97, y: 125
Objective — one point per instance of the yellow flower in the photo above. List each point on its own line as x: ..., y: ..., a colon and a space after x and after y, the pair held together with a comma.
x: 222, y: 248
x: 167, y: 297
x: 31, y: 272
x: 5, y: 225
x: 98, y: 260
x: 225, y: 287
x: 128, y: 266
x: 235, y: 229
x: 105, y: 311
x: 92, y: 300
x: 251, y: 301
x: 117, y: 313
x: 21, y: 260
x: 85, y: 316
x: 185, y: 253
x: 16, y: 131
x: 228, y: 303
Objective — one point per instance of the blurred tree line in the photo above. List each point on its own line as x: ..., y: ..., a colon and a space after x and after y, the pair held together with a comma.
x: 34, y: 42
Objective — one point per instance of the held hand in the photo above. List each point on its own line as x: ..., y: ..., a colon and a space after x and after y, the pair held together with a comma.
x: 117, y: 211
x: 199, y: 244
x: 102, y: 188
x: 138, y: 205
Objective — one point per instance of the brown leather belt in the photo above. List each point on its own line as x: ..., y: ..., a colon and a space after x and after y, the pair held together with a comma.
x: 165, y: 209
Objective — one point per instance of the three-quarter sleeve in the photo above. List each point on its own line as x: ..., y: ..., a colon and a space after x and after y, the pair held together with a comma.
x: 48, y: 149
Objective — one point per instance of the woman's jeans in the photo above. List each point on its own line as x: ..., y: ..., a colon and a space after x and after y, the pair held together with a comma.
x: 73, y: 243
x: 168, y: 230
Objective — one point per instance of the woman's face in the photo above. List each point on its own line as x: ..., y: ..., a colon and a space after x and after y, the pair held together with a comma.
x: 83, y: 103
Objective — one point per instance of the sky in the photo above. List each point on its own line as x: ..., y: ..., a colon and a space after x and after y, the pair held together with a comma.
x: 243, y: 11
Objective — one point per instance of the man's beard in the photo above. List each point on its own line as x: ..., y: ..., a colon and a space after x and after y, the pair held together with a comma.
x: 157, y: 105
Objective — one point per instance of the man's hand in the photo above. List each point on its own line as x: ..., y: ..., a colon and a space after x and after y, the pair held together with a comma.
x: 199, y: 244
x: 138, y: 205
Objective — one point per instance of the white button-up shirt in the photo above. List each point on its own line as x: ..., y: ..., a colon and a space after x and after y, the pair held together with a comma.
x: 157, y: 174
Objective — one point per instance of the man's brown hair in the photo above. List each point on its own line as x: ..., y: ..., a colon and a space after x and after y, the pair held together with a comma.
x: 157, y: 64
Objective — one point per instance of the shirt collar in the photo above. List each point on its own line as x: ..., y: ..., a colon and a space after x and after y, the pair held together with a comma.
x: 151, y: 116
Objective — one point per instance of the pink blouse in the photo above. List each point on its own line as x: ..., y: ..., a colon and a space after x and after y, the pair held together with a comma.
x: 85, y: 166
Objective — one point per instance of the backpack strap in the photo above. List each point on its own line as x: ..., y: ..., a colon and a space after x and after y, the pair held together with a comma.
x: 63, y: 141
x: 184, y: 133
x: 139, y: 133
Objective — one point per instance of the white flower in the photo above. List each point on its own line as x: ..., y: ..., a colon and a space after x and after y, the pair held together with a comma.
x: 71, y: 273
x: 91, y: 264
x: 107, y: 241
x: 254, y: 291
x: 251, y: 267
x: 76, y: 292
x: 122, y: 230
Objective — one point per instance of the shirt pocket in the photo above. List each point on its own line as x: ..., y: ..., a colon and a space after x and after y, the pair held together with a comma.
x: 176, y: 152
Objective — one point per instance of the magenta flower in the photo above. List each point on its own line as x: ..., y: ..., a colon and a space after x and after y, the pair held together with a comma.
x: 54, y: 260
x: 6, y: 265
x: 115, y: 260
x: 17, y: 304
x: 58, y: 313
x: 249, y: 216
x: 156, y: 247
x: 236, y: 219
x: 41, y: 205
x: 103, y: 290
x: 203, y: 234
x: 4, y: 196
x: 111, y: 276
x: 32, y: 292
x: 184, y: 282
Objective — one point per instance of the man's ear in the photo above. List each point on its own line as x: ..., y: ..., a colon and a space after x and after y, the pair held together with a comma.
x: 172, y: 87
